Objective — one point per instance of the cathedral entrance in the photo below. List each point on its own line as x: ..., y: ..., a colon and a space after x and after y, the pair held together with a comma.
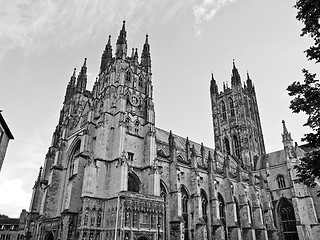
x: 49, y: 236
x: 143, y: 238
x: 287, y: 221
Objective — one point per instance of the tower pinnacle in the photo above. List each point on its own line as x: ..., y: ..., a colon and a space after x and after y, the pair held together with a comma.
x: 106, y: 56
x: 235, y: 77
x: 145, y: 56
x: 121, y: 51
x: 286, y: 136
x: 213, y: 85
x: 82, y: 77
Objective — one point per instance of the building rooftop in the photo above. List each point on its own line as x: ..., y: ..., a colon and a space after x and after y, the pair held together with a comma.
x: 5, y: 127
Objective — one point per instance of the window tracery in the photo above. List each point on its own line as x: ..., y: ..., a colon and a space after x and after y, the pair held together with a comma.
x: 281, y: 181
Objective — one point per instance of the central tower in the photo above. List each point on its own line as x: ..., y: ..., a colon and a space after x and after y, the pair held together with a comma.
x: 236, y: 120
x: 100, y: 178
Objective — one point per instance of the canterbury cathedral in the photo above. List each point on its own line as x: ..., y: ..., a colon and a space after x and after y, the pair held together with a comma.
x: 111, y: 174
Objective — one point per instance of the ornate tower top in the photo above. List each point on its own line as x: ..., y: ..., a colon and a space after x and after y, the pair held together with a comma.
x: 145, y: 56
x: 286, y: 136
x: 236, y: 120
x: 82, y: 78
x: 106, y: 56
x: 235, y: 76
x: 121, y: 51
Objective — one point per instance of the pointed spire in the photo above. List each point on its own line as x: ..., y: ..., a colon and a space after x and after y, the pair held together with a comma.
x: 136, y: 58
x: 39, y: 175
x: 172, y: 143
x: 286, y: 136
x: 202, y: 150
x: 213, y: 85
x: 82, y: 78
x: 70, y: 87
x: 235, y: 77
x: 121, y: 51
x: 210, y: 157
x: 145, y: 56
x: 106, y: 56
x: 132, y: 53
x: 249, y: 81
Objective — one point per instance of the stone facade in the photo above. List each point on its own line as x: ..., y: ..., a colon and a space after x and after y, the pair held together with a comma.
x: 5, y: 136
x: 110, y: 173
x: 13, y: 228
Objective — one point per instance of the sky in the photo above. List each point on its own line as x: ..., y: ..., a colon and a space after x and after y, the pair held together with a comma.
x: 41, y: 41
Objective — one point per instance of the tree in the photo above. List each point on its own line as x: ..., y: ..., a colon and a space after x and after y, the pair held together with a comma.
x: 307, y: 94
x: 3, y: 216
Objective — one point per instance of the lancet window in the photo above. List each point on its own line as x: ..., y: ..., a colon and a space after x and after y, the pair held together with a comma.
x: 236, y: 146
x: 133, y: 183
x: 281, y: 181
x: 287, y: 221
x: 223, y: 111
x: 185, y: 216
x: 231, y: 105
x: 227, y: 146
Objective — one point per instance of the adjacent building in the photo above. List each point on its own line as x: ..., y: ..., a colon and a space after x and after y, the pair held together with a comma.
x: 13, y: 228
x: 5, y: 136
x: 110, y: 173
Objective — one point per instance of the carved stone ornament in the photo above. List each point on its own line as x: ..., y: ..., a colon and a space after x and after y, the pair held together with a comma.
x: 134, y: 100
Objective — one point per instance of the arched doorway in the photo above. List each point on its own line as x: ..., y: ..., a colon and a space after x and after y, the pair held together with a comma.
x: 287, y: 220
x: 49, y: 236
x: 143, y: 238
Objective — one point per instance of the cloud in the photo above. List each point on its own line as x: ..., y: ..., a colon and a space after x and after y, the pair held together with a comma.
x: 34, y: 25
x: 14, y: 198
x: 206, y: 10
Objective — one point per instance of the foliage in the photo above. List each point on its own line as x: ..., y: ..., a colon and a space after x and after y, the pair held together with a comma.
x: 307, y: 94
x: 3, y: 216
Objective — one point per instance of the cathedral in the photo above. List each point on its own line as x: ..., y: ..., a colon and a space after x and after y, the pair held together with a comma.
x: 111, y: 174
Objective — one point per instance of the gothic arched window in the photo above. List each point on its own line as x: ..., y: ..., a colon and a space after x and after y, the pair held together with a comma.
x: 140, y: 84
x: 223, y: 110
x: 227, y: 146
x: 237, y: 212
x: 222, y: 214
x: 236, y: 146
x: 133, y: 183
x: 73, y: 156
x: 185, y: 199
x: 231, y: 105
x: 281, y: 181
x: 287, y: 220
x: 250, y: 213
x: 128, y: 76
x: 204, y: 204
x: 163, y: 194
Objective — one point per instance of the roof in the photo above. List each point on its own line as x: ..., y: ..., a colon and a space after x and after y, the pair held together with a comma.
x: 273, y: 158
x: 9, y: 221
x: 163, y: 136
x: 5, y: 127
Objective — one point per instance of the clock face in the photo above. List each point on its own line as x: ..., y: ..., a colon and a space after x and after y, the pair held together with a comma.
x: 134, y: 101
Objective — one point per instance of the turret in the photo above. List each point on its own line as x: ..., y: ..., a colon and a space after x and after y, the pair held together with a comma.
x: 235, y: 77
x: 136, y: 58
x: 70, y: 87
x: 213, y: 85
x: 82, y: 78
x: 249, y: 84
x: 106, y: 56
x: 145, y: 56
x: 121, y: 50
x: 286, y: 136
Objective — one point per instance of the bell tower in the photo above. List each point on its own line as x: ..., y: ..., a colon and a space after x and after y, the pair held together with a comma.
x: 236, y: 120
